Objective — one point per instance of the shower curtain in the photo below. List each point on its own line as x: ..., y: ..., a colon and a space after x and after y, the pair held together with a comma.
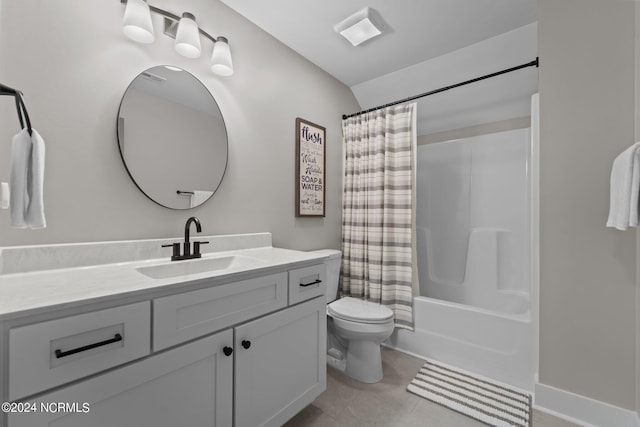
x: 377, y: 214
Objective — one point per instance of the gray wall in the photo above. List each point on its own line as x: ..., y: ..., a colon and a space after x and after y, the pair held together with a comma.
x: 73, y: 63
x: 587, y: 282
x: 637, y: 134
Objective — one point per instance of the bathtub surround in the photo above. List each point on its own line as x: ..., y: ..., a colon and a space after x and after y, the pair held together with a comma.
x: 378, y: 230
x: 481, y: 255
x: 476, y: 308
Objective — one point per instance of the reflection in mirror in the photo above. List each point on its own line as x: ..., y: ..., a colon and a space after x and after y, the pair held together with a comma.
x: 172, y: 137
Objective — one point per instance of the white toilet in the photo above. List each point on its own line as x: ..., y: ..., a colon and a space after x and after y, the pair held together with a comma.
x: 355, y: 328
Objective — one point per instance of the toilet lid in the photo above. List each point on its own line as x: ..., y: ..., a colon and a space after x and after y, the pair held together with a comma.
x: 357, y: 310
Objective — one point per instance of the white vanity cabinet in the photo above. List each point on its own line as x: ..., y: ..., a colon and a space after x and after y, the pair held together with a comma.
x: 238, y: 354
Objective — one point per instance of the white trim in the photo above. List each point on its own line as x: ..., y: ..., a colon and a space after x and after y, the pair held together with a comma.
x: 582, y: 410
x: 534, y: 223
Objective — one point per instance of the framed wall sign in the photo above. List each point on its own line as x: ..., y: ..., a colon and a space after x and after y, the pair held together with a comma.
x: 310, y: 167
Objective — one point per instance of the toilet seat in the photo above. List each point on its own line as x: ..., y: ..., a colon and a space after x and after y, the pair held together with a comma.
x: 360, y: 311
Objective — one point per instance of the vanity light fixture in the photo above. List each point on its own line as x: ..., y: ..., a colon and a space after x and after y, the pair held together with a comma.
x: 361, y: 26
x: 137, y: 26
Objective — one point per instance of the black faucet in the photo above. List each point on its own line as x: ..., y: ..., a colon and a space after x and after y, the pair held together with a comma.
x: 187, y: 254
x: 187, y: 226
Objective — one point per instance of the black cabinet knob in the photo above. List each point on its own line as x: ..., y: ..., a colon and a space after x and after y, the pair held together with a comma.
x: 227, y: 351
x: 246, y: 343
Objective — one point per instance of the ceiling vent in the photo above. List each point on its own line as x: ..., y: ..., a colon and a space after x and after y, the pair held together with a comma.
x: 361, y: 26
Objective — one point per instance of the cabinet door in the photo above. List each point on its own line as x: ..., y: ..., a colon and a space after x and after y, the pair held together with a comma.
x: 190, y: 386
x: 280, y: 364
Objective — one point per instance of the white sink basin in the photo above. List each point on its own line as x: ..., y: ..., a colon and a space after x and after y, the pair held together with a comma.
x: 196, y: 266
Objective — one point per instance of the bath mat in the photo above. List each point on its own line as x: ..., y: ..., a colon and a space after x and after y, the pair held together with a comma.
x: 487, y: 401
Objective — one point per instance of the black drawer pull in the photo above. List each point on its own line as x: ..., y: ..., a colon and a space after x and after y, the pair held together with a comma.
x: 246, y: 343
x: 227, y: 351
x: 312, y: 283
x: 59, y: 353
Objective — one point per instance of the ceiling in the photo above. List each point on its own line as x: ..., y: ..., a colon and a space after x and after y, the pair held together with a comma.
x: 417, y: 30
x: 427, y: 44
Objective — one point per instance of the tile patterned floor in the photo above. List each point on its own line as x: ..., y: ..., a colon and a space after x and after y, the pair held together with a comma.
x: 348, y: 403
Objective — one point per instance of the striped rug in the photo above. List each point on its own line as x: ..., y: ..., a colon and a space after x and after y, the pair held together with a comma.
x: 490, y: 402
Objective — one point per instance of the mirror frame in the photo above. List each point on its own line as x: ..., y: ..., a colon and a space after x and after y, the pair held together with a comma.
x: 224, y: 124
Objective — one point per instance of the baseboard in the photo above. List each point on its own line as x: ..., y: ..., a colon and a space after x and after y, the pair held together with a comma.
x: 582, y: 410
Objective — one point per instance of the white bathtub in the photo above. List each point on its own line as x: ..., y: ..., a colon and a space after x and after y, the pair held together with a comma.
x: 492, y: 344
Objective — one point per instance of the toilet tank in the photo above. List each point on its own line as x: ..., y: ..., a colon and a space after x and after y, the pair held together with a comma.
x: 333, y: 262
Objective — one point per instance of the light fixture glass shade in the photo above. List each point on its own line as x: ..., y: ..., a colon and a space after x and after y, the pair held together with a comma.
x: 137, y: 21
x: 188, y: 37
x: 221, y: 63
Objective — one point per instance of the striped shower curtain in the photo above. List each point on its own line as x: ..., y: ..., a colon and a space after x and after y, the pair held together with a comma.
x: 377, y: 209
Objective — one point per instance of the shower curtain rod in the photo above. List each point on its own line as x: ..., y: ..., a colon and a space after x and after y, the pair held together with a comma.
x: 534, y: 63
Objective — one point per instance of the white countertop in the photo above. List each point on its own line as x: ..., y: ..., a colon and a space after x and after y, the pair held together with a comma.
x: 38, y: 291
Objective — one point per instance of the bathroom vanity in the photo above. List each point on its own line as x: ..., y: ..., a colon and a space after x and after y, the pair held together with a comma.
x: 236, y: 338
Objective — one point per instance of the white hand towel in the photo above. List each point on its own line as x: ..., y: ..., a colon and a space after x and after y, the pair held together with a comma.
x: 625, y: 186
x: 199, y: 197
x: 27, y: 180
x: 20, y: 158
x: 35, y: 185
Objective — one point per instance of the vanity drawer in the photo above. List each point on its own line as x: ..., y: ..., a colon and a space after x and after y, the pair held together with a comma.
x: 47, y: 354
x: 182, y: 317
x: 306, y: 283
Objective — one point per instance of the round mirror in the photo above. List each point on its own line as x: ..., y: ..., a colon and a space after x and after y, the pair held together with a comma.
x: 172, y: 137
